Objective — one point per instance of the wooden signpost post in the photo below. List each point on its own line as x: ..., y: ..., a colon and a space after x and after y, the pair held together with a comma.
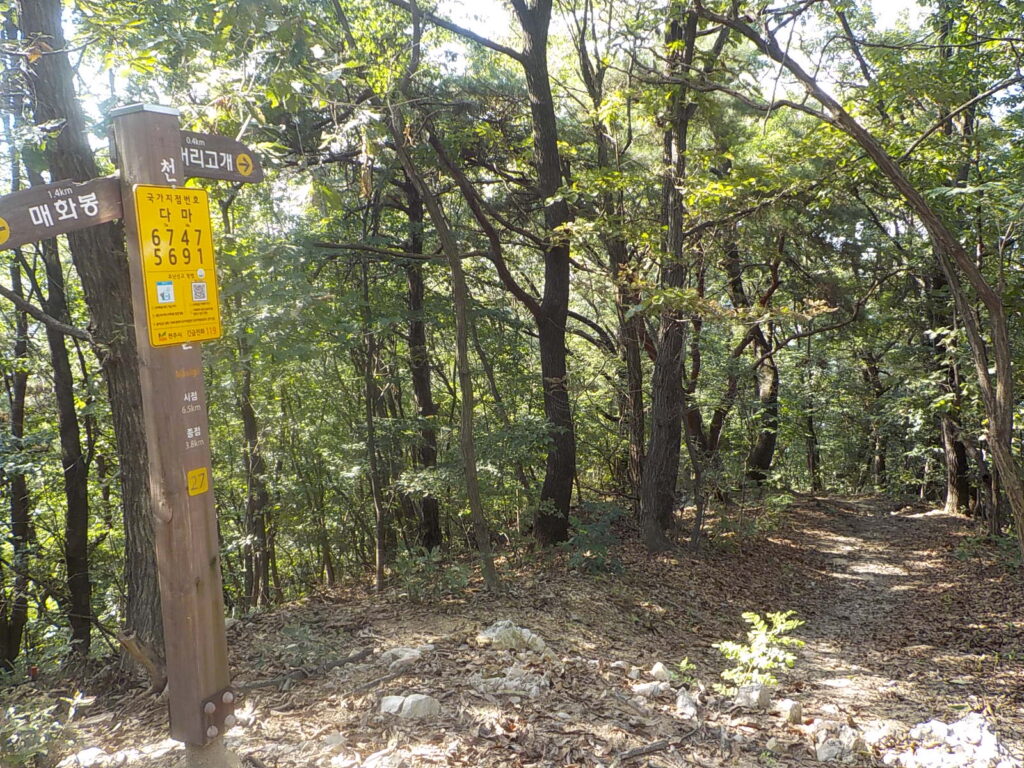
x: 171, y: 258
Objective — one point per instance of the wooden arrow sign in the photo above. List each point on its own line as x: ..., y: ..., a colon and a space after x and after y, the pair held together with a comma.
x: 56, y: 209
x: 208, y: 156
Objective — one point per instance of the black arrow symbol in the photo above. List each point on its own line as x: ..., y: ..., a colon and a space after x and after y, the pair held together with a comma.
x: 243, y: 165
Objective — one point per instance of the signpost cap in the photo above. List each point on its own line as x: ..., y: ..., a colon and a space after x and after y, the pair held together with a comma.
x: 157, y: 108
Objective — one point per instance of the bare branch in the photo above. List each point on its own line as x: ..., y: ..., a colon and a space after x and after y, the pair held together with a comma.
x: 49, y: 321
x: 461, y: 31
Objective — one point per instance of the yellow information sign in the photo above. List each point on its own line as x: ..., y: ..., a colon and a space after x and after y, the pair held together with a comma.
x: 178, y: 266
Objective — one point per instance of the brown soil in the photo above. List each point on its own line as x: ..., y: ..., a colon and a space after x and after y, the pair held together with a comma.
x: 900, y: 627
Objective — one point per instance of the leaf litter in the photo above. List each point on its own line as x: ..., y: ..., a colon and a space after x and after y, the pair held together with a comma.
x: 899, y: 629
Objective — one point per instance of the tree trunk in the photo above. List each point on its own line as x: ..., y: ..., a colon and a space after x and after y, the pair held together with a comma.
x: 759, y: 460
x: 14, y: 604
x: 419, y: 368
x: 73, y: 461
x: 661, y: 463
x: 813, y: 454
x: 371, y: 393
x: 551, y: 524
x: 257, y: 498
x: 99, y: 258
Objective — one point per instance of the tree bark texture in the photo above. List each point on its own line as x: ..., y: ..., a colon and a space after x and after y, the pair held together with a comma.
x: 99, y: 258
x: 257, y: 497
x: 428, y: 508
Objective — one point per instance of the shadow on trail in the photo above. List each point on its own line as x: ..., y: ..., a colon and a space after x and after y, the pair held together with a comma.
x: 894, y: 628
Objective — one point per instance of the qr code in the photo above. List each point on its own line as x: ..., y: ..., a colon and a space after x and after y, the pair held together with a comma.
x: 199, y: 292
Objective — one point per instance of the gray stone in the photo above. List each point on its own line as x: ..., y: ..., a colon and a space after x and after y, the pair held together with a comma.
x: 651, y: 690
x: 792, y: 711
x: 660, y: 672
x: 686, y: 707
x: 753, y: 696
x: 830, y: 750
x: 634, y: 673
x: 419, y: 706
x: 842, y: 745
x: 504, y: 635
x: 391, y: 705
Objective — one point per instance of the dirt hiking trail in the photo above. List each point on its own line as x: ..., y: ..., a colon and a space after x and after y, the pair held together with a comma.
x: 907, y: 619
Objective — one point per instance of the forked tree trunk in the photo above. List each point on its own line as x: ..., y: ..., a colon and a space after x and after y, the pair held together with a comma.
x: 661, y: 463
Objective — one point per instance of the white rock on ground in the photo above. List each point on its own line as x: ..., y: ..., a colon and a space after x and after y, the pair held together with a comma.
x: 87, y: 758
x: 416, y: 706
x: 504, y: 635
x: 686, y: 707
x: 970, y: 742
x: 753, y: 696
x: 651, y: 690
x: 660, y: 672
x: 392, y: 705
x: 792, y: 711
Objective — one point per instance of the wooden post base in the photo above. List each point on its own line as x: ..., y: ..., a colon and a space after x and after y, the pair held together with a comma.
x: 211, y: 755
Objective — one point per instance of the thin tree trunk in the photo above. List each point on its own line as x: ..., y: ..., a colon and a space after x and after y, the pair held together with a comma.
x: 14, y: 604
x: 419, y: 368
x: 810, y: 431
x: 73, y: 461
x: 257, y: 498
x: 460, y: 296
x: 371, y: 393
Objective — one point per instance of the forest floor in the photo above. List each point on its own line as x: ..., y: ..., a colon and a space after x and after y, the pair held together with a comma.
x: 907, y: 618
